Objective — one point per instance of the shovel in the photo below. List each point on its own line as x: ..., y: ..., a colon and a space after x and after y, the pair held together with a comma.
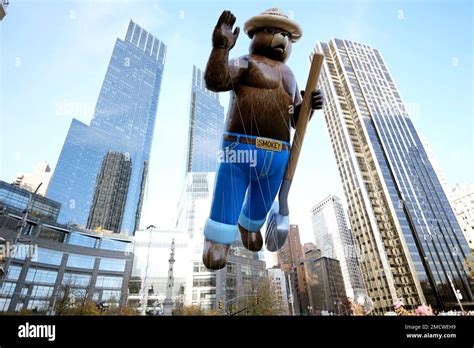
x: 278, y: 224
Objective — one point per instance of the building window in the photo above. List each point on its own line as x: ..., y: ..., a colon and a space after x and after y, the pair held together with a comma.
x: 82, y: 240
x: 208, y: 294
x: 116, y: 245
x: 204, y: 281
x: 50, y: 257
x: 51, y: 234
x: 108, y: 282
x: 108, y: 295
x: 95, y: 296
x: 39, y: 305
x: 13, y: 272
x: 76, y: 279
x: 36, y: 275
x: 116, y: 265
x: 42, y: 291
x: 246, y: 270
x: 81, y: 261
x: 4, y: 303
x: 7, y: 288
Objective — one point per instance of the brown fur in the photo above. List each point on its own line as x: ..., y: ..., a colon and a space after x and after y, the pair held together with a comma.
x: 263, y: 88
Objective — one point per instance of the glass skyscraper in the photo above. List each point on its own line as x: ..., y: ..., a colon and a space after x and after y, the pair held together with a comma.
x: 206, y: 124
x: 412, y: 246
x: 124, y: 121
x: 334, y: 238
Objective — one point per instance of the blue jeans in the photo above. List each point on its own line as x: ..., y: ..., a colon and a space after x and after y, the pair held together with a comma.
x: 247, y: 182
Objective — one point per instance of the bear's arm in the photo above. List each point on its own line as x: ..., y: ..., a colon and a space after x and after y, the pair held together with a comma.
x: 221, y: 75
x: 297, y: 101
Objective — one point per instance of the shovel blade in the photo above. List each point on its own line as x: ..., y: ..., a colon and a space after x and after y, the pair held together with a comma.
x: 278, y: 227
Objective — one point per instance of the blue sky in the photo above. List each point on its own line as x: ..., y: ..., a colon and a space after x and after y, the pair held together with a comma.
x: 54, y: 56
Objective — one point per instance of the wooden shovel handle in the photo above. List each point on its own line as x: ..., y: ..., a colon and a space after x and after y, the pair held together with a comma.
x: 305, y: 113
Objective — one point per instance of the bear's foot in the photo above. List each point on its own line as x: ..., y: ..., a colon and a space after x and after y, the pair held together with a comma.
x: 252, y: 240
x: 214, y: 255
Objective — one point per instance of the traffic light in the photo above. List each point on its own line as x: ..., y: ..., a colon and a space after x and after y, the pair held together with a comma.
x: 257, y: 300
x: 221, y: 304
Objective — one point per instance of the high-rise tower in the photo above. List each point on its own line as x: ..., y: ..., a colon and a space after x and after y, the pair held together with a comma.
x: 400, y: 216
x: 206, y: 124
x: 123, y: 121
x: 334, y: 238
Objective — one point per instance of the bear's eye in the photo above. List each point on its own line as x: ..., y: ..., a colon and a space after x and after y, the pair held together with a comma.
x: 269, y: 30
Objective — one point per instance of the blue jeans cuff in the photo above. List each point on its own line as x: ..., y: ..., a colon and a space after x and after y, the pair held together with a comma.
x: 249, y: 224
x: 220, y: 232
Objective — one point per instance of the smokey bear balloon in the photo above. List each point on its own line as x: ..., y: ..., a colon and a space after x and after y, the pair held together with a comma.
x: 264, y: 104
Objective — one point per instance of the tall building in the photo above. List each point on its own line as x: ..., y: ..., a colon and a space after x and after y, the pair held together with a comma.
x: 400, y: 216
x: 30, y: 181
x: 291, y: 261
x: 325, y: 285
x: 123, y: 121
x: 206, y: 124
x: 110, y: 192
x: 462, y: 200
x: 334, y: 238
x: 195, y: 203
x: 280, y: 282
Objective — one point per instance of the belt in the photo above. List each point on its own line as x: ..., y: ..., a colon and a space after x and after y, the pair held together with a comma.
x: 253, y: 141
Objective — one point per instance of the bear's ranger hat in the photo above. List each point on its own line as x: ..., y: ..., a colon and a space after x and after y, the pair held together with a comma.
x: 273, y: 17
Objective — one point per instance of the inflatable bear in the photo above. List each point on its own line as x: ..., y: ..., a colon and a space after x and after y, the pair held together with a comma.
x: 264, y: 105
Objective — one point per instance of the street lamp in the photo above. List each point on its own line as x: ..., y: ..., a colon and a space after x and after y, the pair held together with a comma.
x: 144, y: 282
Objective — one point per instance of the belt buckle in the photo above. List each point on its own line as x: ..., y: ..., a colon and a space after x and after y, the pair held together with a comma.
x: 268, y: 144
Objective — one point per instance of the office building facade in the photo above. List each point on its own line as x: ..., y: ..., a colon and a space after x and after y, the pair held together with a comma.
x: 291, y: 261
x: 110, y: 192
x: 53, y: 260
x: 206, y: 124
x: 325, y: 282
x: 400, y: 216
x: 334, y: 238
x: 123, y: 121
x: 279, y: 280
